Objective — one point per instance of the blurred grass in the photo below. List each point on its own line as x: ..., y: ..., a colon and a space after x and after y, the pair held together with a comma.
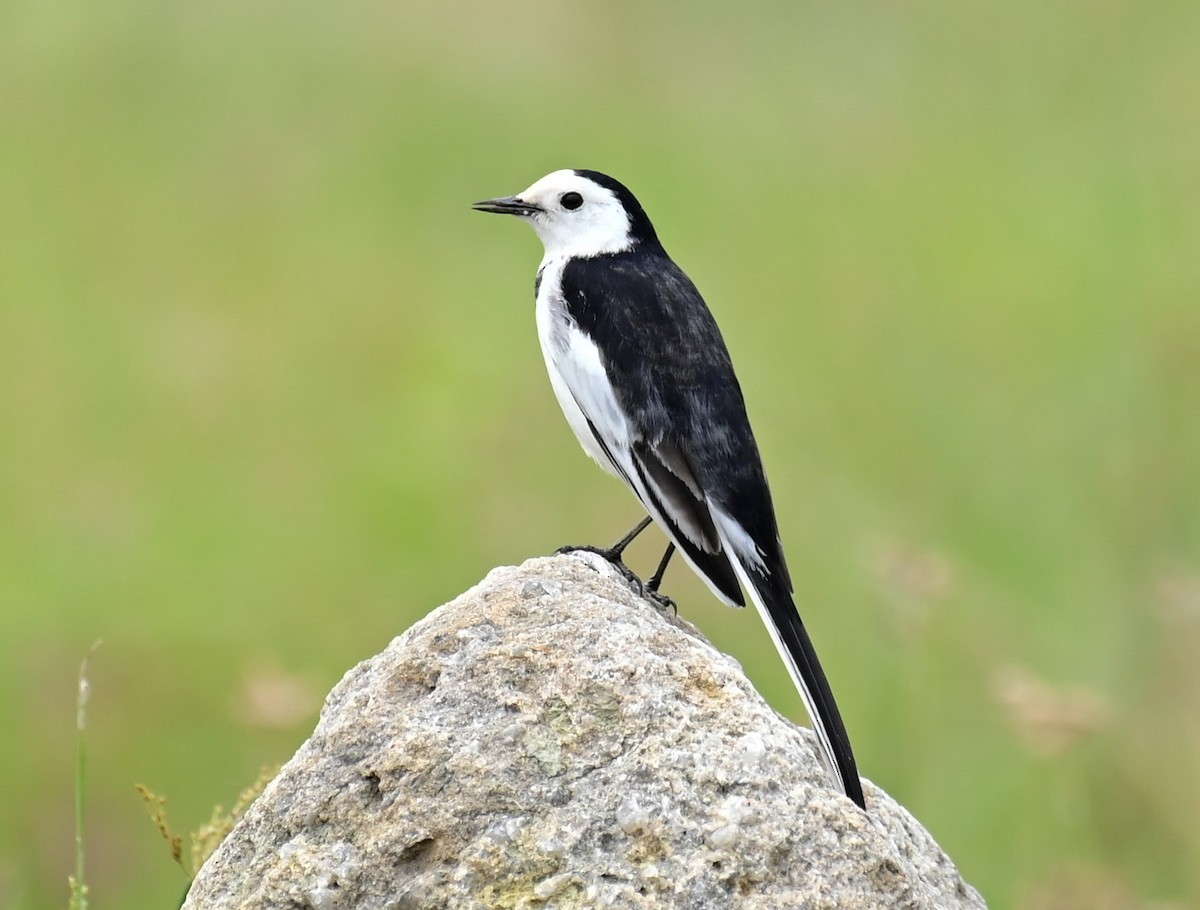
x: 262, y: 371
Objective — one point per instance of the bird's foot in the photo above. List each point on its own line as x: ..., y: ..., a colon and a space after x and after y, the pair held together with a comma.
x: 661, y: 599
x: 609, y: 554
x: 613, y: 556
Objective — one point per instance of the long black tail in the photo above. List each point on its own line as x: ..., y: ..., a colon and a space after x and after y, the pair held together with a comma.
x: 778, y: 611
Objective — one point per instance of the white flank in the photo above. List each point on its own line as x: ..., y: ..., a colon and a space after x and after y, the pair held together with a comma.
x: 739, y: 544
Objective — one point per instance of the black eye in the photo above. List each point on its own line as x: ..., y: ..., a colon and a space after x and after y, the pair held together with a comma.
x: 571, y: 201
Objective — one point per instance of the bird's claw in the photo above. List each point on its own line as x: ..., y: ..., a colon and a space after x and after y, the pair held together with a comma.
x: 661, y: 599
x: 599, y: 551
x: 644, y: 589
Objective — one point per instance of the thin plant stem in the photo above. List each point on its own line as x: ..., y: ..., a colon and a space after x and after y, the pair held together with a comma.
x: 79, y: 895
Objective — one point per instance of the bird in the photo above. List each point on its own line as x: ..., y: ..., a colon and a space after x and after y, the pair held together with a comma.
x: 645, y: 380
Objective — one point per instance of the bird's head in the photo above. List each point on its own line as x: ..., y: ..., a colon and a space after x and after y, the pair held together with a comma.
x: 578, y: 213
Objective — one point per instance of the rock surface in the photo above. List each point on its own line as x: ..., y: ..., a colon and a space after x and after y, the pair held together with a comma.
x: 550, y: 739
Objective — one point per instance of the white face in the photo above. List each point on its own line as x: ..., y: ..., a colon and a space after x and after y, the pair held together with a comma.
x: 575, y: 216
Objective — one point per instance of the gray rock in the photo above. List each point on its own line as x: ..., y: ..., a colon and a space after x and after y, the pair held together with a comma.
x: 549, y: 739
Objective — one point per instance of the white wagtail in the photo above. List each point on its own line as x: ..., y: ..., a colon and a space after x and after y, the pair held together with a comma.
x: 642, y: 373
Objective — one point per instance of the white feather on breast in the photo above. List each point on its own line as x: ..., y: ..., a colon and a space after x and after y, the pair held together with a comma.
x: 577, y: 374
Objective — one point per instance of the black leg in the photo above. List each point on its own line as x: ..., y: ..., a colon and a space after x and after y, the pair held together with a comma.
x: 619, y: 547
x: 613, y: 553
x: 656, y: 580
x: 657, y: 577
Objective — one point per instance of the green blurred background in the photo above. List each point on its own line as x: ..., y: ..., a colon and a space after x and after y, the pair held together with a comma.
x: 270, y: 391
